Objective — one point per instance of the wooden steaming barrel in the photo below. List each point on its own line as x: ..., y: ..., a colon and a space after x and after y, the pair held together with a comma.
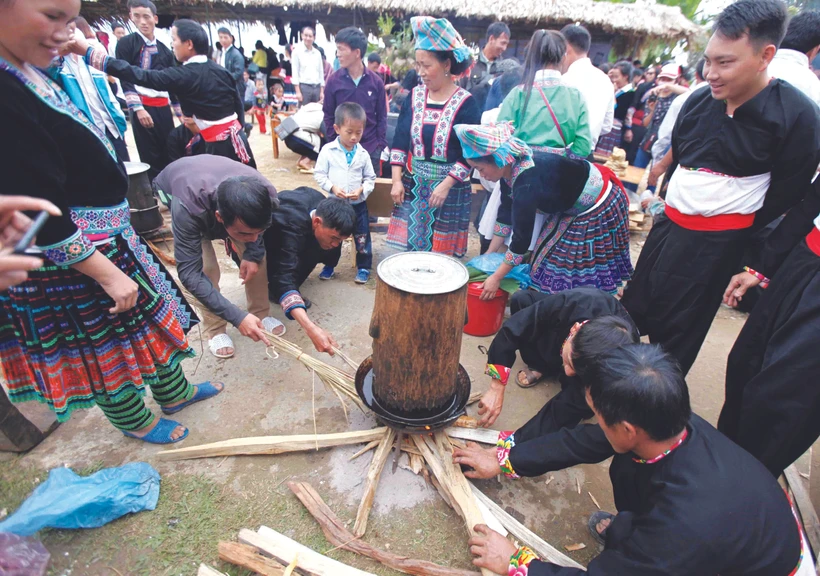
x: 145, y: 215
x: 417, y: 323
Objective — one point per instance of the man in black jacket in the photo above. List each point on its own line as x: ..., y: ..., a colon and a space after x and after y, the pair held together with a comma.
x: 307, y: 229
x: 233, y: 61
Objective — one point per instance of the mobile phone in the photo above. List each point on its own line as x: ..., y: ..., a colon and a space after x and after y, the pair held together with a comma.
x: 34, y: 229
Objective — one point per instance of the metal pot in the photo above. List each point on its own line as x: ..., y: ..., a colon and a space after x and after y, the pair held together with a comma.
x: 145, y: 216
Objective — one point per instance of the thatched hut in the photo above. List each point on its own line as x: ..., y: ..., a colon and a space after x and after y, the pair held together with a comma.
x: 632, y: 24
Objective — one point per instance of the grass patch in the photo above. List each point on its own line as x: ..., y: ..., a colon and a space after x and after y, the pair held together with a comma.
x: 194, y: 513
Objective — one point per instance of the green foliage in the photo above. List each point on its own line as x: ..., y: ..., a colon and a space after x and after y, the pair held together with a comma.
x: 688, y: 7
x: 398, y: 51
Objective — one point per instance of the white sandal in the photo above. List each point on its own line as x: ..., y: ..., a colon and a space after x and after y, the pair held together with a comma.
x: 221, y: 341
x: 270, y: 324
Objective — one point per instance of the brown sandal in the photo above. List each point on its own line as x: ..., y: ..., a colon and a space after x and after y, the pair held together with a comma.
x: 530, y: 378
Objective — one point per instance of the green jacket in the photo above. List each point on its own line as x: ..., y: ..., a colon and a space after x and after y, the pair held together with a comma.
x: 535, y: 125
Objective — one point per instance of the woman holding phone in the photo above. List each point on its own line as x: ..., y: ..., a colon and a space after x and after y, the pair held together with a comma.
x: 100, y: 319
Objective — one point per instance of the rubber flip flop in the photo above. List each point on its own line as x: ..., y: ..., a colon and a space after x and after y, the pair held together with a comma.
x: 161, y: 434
x: 528, y: 374
x: 592, y: 524
x: 203, y: 392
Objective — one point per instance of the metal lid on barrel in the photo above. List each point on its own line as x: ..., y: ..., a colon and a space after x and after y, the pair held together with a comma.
x: 417, y: 324
x: 423, y: 273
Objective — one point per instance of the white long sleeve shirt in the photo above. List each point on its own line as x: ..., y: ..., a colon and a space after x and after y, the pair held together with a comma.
x: 307, y: 66
x: 596, y: 88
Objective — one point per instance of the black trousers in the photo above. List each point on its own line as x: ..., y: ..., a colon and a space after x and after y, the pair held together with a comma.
x: 678, y: 285
x: 772, y: 406
x: 299, y: 146
x: 226, y: 148
x: 151, y: 142
x: 564, y: 410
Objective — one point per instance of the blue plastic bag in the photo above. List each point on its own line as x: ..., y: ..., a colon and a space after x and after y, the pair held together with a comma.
x: 489, y: 263
x: 67, y: 500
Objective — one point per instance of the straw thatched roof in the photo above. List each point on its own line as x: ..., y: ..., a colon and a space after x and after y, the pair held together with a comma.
x: 644, y: 18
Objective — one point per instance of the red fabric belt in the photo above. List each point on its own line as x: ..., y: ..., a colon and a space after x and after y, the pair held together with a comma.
x: 710, y: 223
x: 608, y: 176
x: 212, y: 133
x: 155, y: 102
x: 813, y: 240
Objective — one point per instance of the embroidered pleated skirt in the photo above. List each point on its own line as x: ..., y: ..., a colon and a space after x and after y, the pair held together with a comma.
x: 416, y: 226
x: 60, y: 345
x: 585, y: 246
x: 607, y: 142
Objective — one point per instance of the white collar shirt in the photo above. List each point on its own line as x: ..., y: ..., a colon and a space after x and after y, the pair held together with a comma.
x: 596, y: 88
x: 793, y: 67
x: 307, y: 66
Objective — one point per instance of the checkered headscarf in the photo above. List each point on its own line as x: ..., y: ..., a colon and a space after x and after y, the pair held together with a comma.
x: 438, y: 35
x: 494, y: 140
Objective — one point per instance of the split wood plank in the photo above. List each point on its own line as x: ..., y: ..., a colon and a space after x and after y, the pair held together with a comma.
x: 286, y: 550
x: 336, y: 533
x: 249, y: 558
x: 804, y: 506
x: 367, y: 448
x: 482, y: 435
x: 524, y: 534
x: 272, y: 444
x: 474, y: 397
x: 205, y: 570
x: 438, y: 455
x: 372, y: 482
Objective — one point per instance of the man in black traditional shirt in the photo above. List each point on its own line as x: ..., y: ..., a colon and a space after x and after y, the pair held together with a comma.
x: 690, y: 501
x: 150, y: 109
x: 206, y: 91
x: 745, y: 151
x: 306, y: 230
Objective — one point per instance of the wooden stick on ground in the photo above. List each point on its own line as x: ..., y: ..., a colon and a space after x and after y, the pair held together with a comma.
x: 804, y: 506
x: 373, y: 475
x: 466, y: 422
x: 524, y: 534
x: 338, y: 535
x: 367, y: 448
x: 438, y: 455
x: 272, y: 444
x: 249, y: 558
x: 286, y: 550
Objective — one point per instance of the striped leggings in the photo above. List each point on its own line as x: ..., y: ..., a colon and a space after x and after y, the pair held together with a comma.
x: 129, y: 412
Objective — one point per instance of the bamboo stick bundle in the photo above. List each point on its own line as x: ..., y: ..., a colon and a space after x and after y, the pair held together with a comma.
x: 338, y: 381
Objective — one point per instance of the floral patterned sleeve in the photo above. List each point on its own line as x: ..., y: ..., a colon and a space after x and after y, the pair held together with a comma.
x: 505, y: 443
x: 520, y: 561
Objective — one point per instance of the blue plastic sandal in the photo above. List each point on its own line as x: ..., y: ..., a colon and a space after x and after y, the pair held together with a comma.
x: 592, y: 524
x: 203, y: 392
x: 161, y: 434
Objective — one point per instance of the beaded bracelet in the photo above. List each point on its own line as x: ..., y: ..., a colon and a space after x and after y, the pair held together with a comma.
x: 763, y: 280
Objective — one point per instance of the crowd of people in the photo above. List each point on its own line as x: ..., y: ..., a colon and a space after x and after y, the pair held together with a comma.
x: 91, y: 316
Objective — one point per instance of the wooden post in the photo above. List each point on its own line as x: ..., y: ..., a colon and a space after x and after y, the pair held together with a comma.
x: 802, y: 501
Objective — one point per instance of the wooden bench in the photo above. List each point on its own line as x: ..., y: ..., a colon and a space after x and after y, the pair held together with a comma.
x: 380, y: 203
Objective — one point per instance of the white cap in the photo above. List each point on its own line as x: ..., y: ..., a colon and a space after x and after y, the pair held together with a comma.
x: 670, y: 71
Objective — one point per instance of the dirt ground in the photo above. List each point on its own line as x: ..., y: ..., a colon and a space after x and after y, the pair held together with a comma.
x: 203, y: 501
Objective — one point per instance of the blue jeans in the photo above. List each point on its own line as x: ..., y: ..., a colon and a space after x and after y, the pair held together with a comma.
x: 361, y: 237
x: 642, y: 159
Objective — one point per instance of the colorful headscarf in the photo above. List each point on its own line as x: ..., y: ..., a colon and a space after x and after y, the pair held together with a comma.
x: 438, y: 35
x: 494, y: 140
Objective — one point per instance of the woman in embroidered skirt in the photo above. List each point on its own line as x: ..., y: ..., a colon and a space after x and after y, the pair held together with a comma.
x: 546, y: 114
x: 431, y: 180
x: 584, y: 240
x: 101, y: 319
